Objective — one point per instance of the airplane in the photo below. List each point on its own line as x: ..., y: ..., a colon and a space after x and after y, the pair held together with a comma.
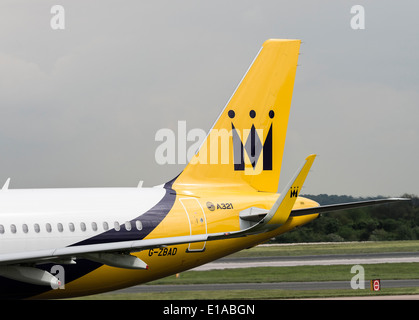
x: 69, y: 242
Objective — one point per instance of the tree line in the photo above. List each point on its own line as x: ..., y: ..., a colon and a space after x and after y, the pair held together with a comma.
x: 394, y: 221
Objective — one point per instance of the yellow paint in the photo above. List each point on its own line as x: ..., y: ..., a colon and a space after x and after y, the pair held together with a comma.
x: 266, y: 87
x: 211, y: 193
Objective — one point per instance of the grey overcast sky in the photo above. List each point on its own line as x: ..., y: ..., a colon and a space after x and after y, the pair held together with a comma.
x: 80, y: 107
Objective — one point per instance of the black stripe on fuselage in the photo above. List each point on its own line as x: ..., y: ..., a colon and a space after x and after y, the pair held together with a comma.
x: 149, y: 220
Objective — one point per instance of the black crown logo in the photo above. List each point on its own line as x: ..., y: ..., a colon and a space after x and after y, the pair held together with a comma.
x: 253, y: 145
x: 294, y: 192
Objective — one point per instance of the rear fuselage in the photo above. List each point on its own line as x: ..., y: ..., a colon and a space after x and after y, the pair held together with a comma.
x: 38, y: 219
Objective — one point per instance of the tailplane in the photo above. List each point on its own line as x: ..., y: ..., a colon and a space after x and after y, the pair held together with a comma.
x: 245, y: 146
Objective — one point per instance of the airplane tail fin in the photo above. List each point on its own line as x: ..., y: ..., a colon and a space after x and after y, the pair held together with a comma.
x: 245, y: 146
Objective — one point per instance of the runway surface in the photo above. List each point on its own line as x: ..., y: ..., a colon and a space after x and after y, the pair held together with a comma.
x: 314, y: 260
x: 346, y: 259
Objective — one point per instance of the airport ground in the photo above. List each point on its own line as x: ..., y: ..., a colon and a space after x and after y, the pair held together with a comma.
x: 292, y: 271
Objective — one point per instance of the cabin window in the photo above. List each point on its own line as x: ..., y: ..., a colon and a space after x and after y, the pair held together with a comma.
x: 13, y: 228
x: 117, y: 226
x: 36, y: 228
x: 105, y: 226
x: 1, y: 229
x: 60, y: 227
x: 82, y: 226
x: 128, y: 225
x: 48, y: 227
x: 71, y: 226
x: 25, y: 228
x: 138, y: 225
x: 94, y: 226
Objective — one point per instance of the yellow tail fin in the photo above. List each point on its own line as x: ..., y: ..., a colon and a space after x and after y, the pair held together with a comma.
x: 245, y: 146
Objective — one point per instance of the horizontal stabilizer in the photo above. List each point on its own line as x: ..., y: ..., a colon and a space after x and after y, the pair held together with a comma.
x: 343, y: 206
x: 280, y: 211
x: 282, y: 208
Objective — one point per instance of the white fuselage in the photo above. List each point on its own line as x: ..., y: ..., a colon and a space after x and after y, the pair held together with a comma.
x: 36, y: 219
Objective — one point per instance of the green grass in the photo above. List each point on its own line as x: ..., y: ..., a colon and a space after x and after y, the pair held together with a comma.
x: 394, y: 271
x: 329, y: 248
x: 251, y: 294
